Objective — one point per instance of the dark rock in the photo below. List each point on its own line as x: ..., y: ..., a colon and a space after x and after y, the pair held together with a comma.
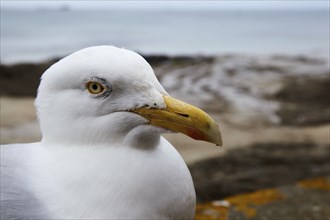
x: 21, y: 79
x: 257, y: 167
x: 304, y: 100
x: 156, y: 59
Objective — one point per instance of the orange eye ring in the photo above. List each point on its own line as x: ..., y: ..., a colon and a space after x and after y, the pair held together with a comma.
x: 95, y: 87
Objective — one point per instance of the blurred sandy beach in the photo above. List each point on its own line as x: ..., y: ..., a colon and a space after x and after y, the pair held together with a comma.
x: 254, y: 99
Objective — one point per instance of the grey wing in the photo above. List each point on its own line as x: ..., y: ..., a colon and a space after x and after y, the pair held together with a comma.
x: 17, y: 201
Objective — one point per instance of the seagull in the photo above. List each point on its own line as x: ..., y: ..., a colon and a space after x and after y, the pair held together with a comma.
x: 102, y: 112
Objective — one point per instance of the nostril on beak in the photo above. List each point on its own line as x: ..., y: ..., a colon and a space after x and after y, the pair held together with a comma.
x: 183, y: 115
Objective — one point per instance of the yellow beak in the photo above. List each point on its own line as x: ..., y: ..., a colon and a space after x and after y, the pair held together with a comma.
x: 184, y: 118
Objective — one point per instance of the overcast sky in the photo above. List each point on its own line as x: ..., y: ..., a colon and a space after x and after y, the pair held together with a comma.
x: 244, y: 4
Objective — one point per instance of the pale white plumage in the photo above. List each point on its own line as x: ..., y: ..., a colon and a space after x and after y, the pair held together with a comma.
x: 99, y: 158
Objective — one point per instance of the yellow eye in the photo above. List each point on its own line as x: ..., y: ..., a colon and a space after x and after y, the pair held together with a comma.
x: 95, y: 87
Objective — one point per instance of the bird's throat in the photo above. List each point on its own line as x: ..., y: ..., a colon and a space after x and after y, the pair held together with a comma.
x: 143, y: 137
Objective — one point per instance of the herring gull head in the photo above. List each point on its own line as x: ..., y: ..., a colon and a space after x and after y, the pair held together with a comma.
x: 105, y: 94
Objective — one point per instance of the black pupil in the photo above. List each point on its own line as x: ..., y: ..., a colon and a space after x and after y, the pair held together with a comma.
x: 94, y: 86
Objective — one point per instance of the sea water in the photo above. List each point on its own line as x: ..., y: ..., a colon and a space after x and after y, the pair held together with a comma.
x: 34, y: 35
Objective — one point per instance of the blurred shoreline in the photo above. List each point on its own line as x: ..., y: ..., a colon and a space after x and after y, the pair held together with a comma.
x: 283, y: 97
x: 273, y: 112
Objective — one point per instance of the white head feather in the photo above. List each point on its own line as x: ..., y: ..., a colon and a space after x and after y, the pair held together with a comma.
x: 68, y: 113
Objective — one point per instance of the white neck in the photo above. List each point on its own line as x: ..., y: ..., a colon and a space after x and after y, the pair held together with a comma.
x: 104, y: 182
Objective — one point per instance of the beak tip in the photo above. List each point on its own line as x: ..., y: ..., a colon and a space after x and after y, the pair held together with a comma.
x: 218, y: 136
x: 219, y: 143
